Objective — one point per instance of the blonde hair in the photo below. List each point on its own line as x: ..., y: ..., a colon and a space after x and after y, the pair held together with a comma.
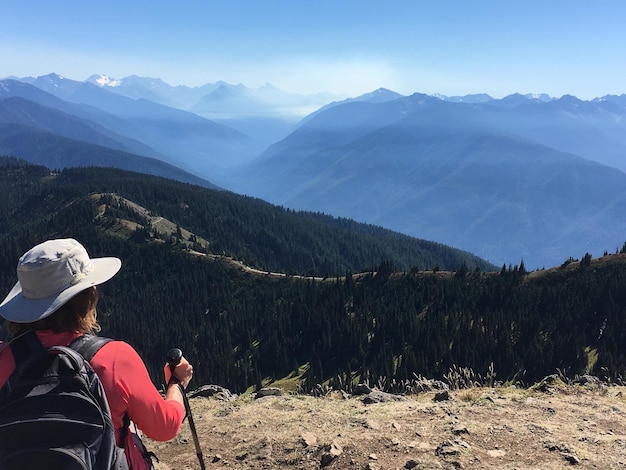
x: 77, y: 314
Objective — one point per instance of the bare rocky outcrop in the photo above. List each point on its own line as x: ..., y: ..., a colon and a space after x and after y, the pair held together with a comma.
x: 268, y: 392
x: 214, y: 391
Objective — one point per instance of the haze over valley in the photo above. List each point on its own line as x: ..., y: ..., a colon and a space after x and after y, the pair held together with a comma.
x: 528, y: 178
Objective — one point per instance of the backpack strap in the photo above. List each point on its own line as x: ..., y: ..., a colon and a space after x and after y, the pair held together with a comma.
x: 24, y: 346
x: 88, y: 345
x: 27, y: 345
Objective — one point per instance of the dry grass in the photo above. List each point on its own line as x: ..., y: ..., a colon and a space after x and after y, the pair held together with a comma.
x: 479, y: 428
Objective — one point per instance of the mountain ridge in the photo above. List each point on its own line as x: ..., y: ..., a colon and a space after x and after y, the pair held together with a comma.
x: 372, y: 159
x: 181, y: 138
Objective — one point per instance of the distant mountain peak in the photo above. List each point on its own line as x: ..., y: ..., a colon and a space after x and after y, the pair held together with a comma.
x: 473, y: 98
x: 269, y: 86
x: 380, y: 95
x: 538, y: 97
x: 514, y: 96
x: 104, y: 81
x: 52, y: 78
x: 380, y: 91
x: 569, y: 99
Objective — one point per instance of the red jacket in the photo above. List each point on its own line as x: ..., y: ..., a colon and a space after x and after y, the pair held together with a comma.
x: 127, y: 385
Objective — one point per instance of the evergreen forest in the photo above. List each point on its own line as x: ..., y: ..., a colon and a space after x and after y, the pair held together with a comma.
x: 354, y: 303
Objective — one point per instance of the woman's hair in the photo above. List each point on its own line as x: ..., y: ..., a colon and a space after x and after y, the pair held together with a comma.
x: 77, y: 314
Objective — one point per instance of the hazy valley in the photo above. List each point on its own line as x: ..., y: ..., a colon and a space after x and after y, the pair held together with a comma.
x: 529, y: 178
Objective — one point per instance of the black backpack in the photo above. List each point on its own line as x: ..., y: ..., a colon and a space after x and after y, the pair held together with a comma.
x: 53, y: 410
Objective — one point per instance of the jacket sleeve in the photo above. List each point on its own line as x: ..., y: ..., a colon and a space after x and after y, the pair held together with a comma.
x: 130, y: 390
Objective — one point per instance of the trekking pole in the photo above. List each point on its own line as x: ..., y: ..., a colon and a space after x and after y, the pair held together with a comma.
x: 173, y: 358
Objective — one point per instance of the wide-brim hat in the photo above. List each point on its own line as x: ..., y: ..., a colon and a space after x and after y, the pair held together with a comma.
x: 49, y: 275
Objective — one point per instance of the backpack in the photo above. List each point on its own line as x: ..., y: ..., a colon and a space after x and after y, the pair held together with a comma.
x: 53, y: 410
x: 137, y: 456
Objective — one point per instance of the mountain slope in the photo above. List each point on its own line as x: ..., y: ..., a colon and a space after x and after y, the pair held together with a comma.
x: 451, y: 172
x: 245, y: 329
x: 185, y: 139
x: 256, y: 232
x: 23, y: 112
x: 42, y: 147
x: 595, y: 130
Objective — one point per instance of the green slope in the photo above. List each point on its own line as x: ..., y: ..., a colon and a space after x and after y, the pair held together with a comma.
x: 242, y: 329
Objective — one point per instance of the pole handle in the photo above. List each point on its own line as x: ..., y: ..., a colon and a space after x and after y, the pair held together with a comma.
x: 173, y: 357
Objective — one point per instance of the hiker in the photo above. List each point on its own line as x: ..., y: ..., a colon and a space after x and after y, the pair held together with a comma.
x: 56, y: 296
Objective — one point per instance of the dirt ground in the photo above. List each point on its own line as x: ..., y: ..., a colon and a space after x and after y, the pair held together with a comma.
x: 550, y: 427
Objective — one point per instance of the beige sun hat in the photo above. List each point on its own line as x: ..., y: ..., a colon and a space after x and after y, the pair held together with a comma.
x: 49, y: 275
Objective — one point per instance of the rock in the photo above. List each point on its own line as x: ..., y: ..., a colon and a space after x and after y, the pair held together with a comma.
x: 592, y: 382
x: 558, y: 447
x: 411, y: 463
x: 572, y: 459
x: 551, y: 379
x: 442, y: 396
x: 427, y: 385
x: 309, y: 440
x: 447, y: 448
x: 376, y: 396
x: 458, y: 430
x: 463, y: 444
x: 544, y: 385
x: 332, y: 452
x: 339, y: 395
x: 371, y: 424
x: 212, y: 391
x: 421, y: 446
x: 361, y: 389
x: 269, y: 392
x: 496, y: 453
x: 335, y: 449
x: 588, y: 380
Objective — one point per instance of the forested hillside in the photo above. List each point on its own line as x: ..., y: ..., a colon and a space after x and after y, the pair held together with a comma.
x: 375, y: 315
x: 255, y: 232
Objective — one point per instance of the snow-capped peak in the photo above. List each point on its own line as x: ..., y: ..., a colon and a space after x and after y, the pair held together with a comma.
x: 104, y: 81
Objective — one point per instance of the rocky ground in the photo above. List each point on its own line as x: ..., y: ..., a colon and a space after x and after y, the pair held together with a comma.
x: 549, y: 426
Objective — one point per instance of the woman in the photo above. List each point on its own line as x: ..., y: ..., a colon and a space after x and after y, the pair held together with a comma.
x: 56, y: 297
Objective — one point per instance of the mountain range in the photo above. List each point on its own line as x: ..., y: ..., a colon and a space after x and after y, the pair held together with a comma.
x: 266, y: 114
x: 538, y: 181
x: 525, y: 177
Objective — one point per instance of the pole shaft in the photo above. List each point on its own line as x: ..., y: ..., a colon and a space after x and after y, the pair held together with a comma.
x: 192, y: 426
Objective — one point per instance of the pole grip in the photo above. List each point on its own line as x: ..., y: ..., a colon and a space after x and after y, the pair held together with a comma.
x: 173, y: 357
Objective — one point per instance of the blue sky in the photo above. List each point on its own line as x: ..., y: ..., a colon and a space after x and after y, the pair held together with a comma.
x: 346, y: 47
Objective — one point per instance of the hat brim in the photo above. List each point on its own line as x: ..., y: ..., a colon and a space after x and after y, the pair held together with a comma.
x: 19, y: 309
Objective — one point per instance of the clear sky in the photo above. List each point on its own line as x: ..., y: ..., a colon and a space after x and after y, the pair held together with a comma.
x: 349, y: 47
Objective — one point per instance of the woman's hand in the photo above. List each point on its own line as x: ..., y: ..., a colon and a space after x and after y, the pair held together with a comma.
x: 182, y: 373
